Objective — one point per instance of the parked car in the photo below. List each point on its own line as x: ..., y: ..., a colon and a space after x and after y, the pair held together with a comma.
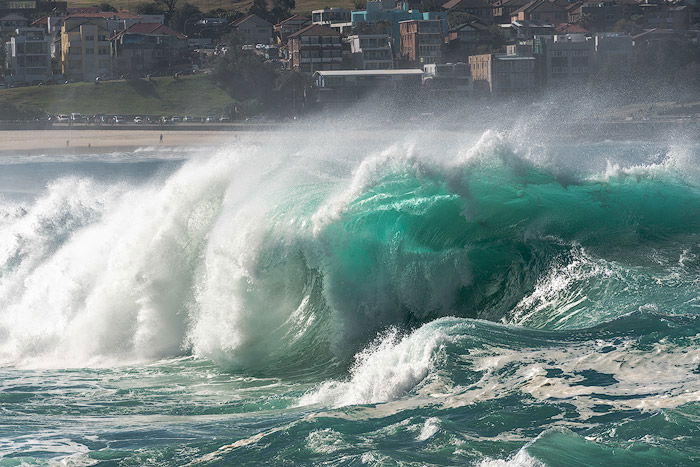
x: 62, y: 118
x: 224, y: 120
x: 138, y: 120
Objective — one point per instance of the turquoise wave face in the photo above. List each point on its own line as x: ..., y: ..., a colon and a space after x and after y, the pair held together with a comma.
x: 480, y: 307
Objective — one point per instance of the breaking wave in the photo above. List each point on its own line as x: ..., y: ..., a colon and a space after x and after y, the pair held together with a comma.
x: 286, y: 257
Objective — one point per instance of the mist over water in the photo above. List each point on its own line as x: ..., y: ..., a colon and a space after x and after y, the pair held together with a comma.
x: 355, y: 293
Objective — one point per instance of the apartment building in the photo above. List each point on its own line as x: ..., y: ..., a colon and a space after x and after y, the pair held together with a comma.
x: 315, y: 48
x: 149, y: 48
x: 566, y: 59
x: 502, y: 75
x: 85, y: 49
x: 371, y: 51
x: 28, y: 56
x: 421, y: 41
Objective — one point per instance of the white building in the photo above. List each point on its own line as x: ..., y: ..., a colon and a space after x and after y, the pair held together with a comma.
x: 28, y: 56
x: 448, y: 77
x: 372, y: 51
x: 328, y: 16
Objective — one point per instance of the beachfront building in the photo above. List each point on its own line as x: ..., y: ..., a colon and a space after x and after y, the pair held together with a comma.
x: 421, y: 41
x: 147, y: 48
x: 252, y: 29
x: 371, y: 51
x: 315, y: 48
x: 612, y: 48
x: 85, y: 49
x: 350, y: 85
x: 452, y: 79
x: 28, y: 56
x: 84, y: 42
x: 502, y: 75
x: 565, y: 59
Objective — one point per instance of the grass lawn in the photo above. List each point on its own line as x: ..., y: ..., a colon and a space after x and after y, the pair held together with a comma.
x: 189, y: 95
x: 303, y: 6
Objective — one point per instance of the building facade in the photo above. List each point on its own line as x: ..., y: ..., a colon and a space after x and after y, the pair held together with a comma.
x: 566, y: 59
x: 315, y: 48
x: 328, y: 16
x: 613, y: 49
x: 348, y: 85
x: 252, y: 29
x: 147, y: 48
x: 371, y: 51
x: 448, y: 78
x: 28, y: 56
x: 85, y: 49
x: 502, y: 75
x: 421, y: 41
x: 10, y: 23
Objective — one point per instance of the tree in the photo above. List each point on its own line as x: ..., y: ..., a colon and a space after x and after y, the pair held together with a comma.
x: 628, y: 26
x: 106, y: 7
x: 184, y: 16
x: 169, y: 7
x: 259, y: 8
x: 149, y: 9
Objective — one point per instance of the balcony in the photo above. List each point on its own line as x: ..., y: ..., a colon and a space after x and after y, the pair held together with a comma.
x: 322, y: 60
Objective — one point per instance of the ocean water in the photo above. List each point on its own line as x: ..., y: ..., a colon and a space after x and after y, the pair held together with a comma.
x: 353, y: 298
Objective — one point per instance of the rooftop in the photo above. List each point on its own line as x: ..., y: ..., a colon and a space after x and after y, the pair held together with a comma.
x: 407, y: 71
x: 315, y: 30
x: 150, y: 29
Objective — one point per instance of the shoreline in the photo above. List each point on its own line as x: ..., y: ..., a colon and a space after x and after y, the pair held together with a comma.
x: 85, y: 139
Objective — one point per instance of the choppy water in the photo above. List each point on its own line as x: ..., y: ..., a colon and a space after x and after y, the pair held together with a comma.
x: 404, y: 299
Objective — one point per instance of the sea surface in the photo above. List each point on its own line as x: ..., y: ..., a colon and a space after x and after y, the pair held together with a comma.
x: 424, y: 297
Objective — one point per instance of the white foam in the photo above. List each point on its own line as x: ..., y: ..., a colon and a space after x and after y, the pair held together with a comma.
x: 384, y: 371
x: 520, y: 459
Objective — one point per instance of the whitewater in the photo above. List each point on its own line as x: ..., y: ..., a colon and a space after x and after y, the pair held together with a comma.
x: 338, y: 296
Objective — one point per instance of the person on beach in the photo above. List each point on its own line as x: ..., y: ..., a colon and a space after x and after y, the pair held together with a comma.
x: 161, y: 137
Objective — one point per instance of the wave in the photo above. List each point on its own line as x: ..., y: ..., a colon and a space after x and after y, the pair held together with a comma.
x: 292, y: 256
x: 453, y: 362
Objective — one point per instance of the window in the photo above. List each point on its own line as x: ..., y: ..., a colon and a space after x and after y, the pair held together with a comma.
x: 90, y: 51
x: 559, y: 62
x: 89, y: 37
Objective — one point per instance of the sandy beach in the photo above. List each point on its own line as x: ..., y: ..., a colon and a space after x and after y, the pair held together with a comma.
x: 31, y: 141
